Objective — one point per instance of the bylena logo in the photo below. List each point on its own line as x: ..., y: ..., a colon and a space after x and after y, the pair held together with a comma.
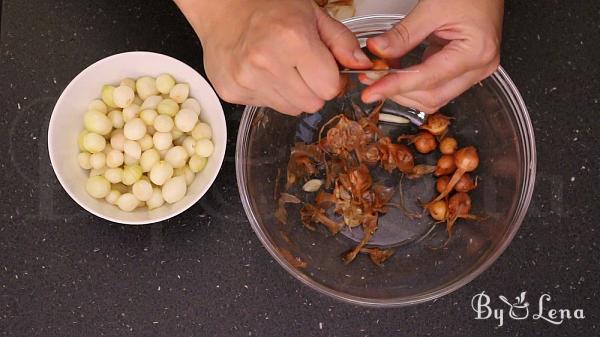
x: 520, y: 309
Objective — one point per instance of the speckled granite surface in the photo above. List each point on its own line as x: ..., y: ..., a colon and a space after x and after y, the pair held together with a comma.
x: 64, y: 272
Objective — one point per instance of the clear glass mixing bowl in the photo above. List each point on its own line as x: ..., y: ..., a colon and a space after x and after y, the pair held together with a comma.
x: 491, y: 116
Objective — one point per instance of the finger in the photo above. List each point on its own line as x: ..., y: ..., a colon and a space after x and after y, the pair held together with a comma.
x: 432, y: 100
x: 366, y: 80
x: 275, y: 85
x: 450, y: 62
x: 430, y: 50
x: 277, y: 102
x: 229, y: 91
x: 320, y: 72
x: 293, y: 88
x: 437, y: 40
x: 341, y: 41
x: 230, y: 88
x: 440, y: 96
x: 411, y: 103
x: 405, y: 35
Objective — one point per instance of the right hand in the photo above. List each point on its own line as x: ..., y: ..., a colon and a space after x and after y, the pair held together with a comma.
x: 276, y: 53
x: 464, y: 48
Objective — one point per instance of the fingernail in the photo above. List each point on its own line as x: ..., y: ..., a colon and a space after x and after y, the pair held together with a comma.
x: 360, y: 56
x: 362, y: 78
x: 375, y: 75
x: 373, y: 98
x: 366, y: 82
x: 381, y: 42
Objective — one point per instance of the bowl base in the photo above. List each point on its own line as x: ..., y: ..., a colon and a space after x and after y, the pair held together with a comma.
x: 401, y: 225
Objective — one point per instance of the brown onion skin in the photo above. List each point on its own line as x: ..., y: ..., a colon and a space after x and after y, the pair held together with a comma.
x: 459, y: 204
x: 425, y: 142
x: 441, y: 183
x: 466, y: 159
x: 445, y: 165
x: 437, y: 124
x: 448, y: 145
x: 380, y: 64
x: 438, y: 210
x: 465, y: 184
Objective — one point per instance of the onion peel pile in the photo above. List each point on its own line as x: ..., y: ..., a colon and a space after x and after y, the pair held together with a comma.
x: 345, y: 153
x: 337, y: 169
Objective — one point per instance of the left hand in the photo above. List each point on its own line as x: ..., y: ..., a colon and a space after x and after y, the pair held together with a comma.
x: 464, y: 48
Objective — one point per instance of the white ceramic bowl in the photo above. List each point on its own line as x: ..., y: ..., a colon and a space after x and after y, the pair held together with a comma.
x: 67, y: 121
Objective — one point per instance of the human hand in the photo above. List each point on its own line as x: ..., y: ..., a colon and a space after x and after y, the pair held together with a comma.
x: 276, y: 53
x: 464, y: 37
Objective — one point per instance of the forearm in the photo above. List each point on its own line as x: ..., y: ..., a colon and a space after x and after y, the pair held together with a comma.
x: 202, y: 13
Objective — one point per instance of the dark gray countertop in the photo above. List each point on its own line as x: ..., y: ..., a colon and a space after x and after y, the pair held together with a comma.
x: 64, y: 272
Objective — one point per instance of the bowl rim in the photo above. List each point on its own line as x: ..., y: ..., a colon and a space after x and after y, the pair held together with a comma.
x: 528, y: 148
x: 59, y: 176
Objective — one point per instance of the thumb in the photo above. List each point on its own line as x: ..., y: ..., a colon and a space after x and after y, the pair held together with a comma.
x: 405, y: 35
x: 342, y: 43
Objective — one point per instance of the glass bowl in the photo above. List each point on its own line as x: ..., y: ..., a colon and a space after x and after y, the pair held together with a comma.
x: 491, y: 116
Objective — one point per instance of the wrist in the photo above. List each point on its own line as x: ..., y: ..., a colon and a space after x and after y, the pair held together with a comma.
x: 203, y: 14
